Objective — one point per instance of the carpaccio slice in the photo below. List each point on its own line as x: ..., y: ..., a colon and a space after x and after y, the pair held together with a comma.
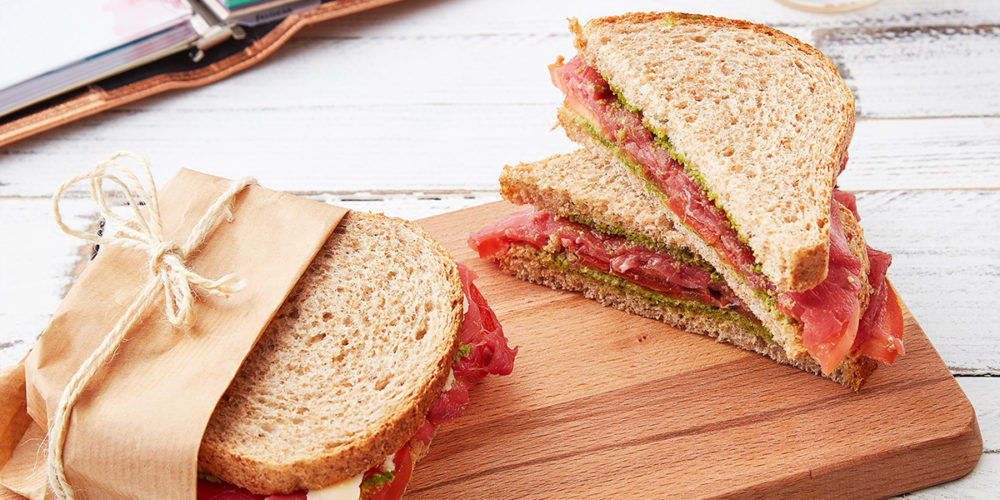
x: 832, y: 323
x: 487, y: 354
x: 654, y: 269
x: 830, y: 311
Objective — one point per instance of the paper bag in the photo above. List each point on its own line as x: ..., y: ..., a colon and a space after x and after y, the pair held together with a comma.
x: 136, y: 429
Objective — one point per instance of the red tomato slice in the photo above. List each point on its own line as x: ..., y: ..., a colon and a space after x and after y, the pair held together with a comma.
x: 394, y: 489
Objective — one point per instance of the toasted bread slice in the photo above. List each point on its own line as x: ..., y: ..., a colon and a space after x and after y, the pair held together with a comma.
x: 591, y: 189
x: 764, y: 119
x: 348, y: 368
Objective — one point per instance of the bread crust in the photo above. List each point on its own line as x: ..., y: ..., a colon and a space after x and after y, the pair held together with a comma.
x: 856, y: 242
x: 270, y: 469
x: 796, y: 262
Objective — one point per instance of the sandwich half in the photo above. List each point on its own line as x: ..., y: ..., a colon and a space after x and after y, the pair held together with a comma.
x: 590, y: 231
x: 739, y: 132
x: 378, y: 344
x: 745, y: 116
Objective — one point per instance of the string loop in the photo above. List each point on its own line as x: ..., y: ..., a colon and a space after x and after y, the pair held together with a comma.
x: 169, y: 275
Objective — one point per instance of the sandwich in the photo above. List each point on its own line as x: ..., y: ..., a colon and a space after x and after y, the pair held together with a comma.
x: 589, y: 231
x: 733, y: 134
x: 376, y: 346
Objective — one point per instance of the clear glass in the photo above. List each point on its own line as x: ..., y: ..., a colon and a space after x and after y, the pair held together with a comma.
x: 828, y: 6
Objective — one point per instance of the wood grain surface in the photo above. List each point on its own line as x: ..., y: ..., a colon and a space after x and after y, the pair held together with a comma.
x: 603, y: 403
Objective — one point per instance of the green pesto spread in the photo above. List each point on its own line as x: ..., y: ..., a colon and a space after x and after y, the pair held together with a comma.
x: 769, y: 301
x: 633, y: 166
x: 621, y: 99
x: 463, y: 351
x: 376, y: 481
x: 681, y: 254
x: 209, y: 477
x: 772, y: 306
x: 689, y: 308
x: 664, y: 143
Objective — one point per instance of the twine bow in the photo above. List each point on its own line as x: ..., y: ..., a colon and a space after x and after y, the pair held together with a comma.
x: 142, y: 231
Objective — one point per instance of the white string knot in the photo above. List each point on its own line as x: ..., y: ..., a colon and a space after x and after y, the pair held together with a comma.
x: 156, y: 257
x: 177, y: 292
x: 143, y: 231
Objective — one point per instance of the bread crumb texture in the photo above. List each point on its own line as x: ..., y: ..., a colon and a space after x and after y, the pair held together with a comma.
x: 348, y: 368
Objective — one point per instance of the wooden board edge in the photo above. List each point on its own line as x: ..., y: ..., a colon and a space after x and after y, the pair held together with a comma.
x: 929, y: 463
x: 937, y: 460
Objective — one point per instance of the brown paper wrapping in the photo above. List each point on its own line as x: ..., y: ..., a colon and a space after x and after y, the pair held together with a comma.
x: 136, y: 429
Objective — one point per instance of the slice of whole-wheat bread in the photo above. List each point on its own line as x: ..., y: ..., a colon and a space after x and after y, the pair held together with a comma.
x: 590, y: 188
x: 348, y: 368
x: 764, y: 119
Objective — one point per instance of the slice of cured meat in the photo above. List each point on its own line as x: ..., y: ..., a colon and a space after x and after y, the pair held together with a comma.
x: 830, y: 311
x: 652, y: 268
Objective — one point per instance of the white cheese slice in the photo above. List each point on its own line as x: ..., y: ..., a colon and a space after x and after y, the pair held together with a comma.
x: 451, y: 379
x: 344, y: 490
x: 389, y: 465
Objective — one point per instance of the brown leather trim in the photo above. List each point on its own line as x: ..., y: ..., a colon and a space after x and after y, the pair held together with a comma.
x: 94, y: 99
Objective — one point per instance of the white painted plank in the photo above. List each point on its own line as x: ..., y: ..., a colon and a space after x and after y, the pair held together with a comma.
x: 946, y: 263
x: 414, y: 17
x: 984, y: 393
x: 924, y: 154
x: 980, y: 484
x: 434, y: 148
x: 35, y: 269
x: 919, y: 72
x: 379, y: 71
x: 416, y: 147
x: 410, y: 206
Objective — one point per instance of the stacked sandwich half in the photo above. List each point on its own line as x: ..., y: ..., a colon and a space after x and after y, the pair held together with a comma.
x: 705, y: 193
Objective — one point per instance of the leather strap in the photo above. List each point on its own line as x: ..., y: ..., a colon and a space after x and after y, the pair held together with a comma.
x: 147, y: 80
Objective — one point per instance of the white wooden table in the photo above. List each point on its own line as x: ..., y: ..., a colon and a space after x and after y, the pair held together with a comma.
x: 412, y: 109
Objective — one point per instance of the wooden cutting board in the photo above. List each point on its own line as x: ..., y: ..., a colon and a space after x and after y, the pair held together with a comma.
x: 604, y: 404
